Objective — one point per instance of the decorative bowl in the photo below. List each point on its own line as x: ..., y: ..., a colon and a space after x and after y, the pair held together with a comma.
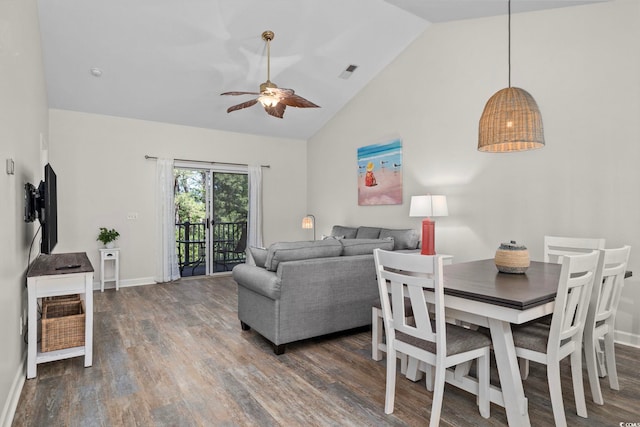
x: 512, y: 258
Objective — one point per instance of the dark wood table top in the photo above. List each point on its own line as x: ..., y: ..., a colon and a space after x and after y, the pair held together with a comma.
x: 481, y: 281
x: 48, y: 265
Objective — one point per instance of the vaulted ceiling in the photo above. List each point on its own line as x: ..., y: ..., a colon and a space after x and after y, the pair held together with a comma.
x: 169, y: 60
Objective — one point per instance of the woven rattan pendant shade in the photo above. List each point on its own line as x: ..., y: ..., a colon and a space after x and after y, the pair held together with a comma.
x: 511, y: 121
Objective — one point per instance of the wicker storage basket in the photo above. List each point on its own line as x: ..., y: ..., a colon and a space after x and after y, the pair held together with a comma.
x: 62, y: 325
x: 61, y: 298
x: 512, y: 258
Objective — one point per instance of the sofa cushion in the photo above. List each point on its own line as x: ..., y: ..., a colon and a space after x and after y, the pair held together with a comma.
x: 368, y: 233
x: 291, y: 251
x: 403, y: 239
x: 365, y: 246
x: 259, y: 255
x: 325, y: 237
x: 347, y: 232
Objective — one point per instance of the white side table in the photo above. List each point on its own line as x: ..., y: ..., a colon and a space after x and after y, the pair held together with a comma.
x: 110, y: 255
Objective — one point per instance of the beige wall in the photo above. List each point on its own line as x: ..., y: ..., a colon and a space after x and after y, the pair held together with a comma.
x: 581, y: 64
x: 103, y: 176
x: 23, y: 118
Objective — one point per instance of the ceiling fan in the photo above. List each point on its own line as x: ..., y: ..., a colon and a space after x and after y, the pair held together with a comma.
x: 274, y: 99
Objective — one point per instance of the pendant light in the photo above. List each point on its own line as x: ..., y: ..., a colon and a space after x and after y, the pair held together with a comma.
x: 511, y: 120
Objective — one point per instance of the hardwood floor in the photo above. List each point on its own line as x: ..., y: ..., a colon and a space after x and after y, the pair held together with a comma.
x: 174, y: 355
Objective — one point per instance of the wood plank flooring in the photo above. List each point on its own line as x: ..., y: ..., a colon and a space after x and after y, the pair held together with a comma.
x: 174, y: 355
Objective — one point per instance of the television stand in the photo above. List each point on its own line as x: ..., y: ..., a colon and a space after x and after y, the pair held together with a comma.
x: 54, y: 275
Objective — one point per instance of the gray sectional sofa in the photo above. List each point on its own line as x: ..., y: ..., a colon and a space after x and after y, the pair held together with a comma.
x: 300, y: 290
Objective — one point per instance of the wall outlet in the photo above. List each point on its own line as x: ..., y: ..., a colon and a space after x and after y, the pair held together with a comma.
x: 132, y: 216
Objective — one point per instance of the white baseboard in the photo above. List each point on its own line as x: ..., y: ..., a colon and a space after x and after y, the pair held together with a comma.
x: 9, y: 408
x: 626, y: 338
x: 141, y: 281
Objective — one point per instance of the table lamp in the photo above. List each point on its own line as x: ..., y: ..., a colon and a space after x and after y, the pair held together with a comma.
x: 427, y: 207
x: 308, y: 222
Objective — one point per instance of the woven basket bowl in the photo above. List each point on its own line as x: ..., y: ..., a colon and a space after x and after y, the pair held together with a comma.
x: 510, y: 261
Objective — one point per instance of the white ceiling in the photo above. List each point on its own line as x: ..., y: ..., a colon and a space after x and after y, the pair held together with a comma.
x: 169, y: 60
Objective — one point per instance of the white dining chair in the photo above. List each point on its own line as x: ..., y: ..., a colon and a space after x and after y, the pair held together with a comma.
x: 431, y: 339
x: 555, y: 247
x: 601, y: 318
x: 378, y: 345
x: 549, y: 344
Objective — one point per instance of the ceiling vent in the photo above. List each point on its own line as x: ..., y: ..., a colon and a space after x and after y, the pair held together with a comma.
x: 348, y: 72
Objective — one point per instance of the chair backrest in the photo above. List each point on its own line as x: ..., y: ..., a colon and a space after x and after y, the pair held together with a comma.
x: 607, y: 285
x: 555, y: 248
x: 411, y: 274
x: 241, y: 246
x: 572, y: 300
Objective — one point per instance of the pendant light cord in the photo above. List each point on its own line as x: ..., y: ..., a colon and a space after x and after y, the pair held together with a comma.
x: 509, y: 32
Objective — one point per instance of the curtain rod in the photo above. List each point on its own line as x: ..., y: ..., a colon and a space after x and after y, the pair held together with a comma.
x: 206, y: 162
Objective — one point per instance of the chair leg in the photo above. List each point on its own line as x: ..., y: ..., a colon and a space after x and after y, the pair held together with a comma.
x: 524, y: 368
x: 438, y: 395
x: 391, y: 380
x: 602, y: 370
x: 376, y: 333
x: 610, y: 357
x: 404, y: 363
x: 429, y: 374
x: 578, y: 386
x: 592, y: 369
x: 484, y: 402
x: 555, y: 392
x: 413, y: 372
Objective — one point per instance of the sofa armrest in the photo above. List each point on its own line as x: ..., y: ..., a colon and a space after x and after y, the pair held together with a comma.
x: 257, y: 279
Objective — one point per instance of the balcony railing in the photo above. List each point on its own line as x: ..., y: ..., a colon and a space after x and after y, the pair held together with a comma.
x: 229, y: 243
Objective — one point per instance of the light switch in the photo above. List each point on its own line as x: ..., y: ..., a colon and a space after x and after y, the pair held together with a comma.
x: 10, y: 167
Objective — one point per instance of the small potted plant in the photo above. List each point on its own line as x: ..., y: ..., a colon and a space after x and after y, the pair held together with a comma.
x: 108, y: 237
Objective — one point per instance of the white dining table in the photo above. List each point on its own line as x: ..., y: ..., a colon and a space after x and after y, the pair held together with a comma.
x: 475, y: 292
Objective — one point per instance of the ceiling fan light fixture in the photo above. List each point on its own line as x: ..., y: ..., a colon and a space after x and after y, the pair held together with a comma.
x: 268, y: 100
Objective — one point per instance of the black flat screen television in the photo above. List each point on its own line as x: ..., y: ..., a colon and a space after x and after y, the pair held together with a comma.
x: 42, y: 203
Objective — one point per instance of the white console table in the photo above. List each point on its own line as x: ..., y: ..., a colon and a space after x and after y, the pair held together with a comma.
x: 53, y: 275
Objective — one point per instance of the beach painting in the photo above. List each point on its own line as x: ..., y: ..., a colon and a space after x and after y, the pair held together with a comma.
x: 380, y: 174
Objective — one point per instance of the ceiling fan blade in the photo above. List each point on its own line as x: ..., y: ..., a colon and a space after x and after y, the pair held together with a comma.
x: 243, y: 105
x: 298, y: 101
x: 276, y: 111
x: 240, y: 93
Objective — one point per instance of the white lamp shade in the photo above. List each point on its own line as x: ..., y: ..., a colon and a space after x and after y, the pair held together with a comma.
x: 307, y: 222
x: 428, y: 206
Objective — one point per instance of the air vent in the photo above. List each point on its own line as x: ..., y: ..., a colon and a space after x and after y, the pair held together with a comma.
x: 348, y: 71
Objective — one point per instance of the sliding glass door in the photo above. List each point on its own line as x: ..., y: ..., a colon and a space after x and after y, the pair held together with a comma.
x: 211, y: 218
x: 228, y: 220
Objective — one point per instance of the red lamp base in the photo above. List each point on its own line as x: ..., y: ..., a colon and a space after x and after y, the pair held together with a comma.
x: 428, y: 237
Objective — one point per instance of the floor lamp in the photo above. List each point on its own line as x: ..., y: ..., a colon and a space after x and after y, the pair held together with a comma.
x: 309, y: 221
x: 427, y: 207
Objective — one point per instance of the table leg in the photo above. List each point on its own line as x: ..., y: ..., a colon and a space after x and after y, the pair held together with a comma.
x: 102, y: 273
x: 88, y: 326
x: 32, y: 333
x: 515, y: 403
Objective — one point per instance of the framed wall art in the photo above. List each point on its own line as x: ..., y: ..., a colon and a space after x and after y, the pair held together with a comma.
x: 380, y: 174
